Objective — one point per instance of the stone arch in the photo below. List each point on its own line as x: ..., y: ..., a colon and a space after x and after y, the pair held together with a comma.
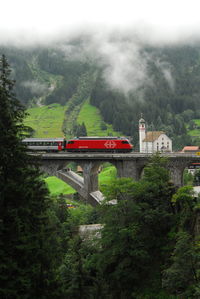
x: 52, y: 167
x: 130, y: 168
x: 176, y: 168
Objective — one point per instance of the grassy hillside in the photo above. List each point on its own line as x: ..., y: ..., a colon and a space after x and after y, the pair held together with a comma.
x: 94, y: 123
x: 55, y: 120
x: 46, y: 120
x: 57, y: 186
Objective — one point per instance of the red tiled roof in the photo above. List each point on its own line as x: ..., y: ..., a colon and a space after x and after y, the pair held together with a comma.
x: 190, y: 148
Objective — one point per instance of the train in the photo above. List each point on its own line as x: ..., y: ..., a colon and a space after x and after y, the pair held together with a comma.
x: 80, y: 144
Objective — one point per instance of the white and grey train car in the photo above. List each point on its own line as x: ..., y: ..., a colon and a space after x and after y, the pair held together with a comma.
x: 45, y: 144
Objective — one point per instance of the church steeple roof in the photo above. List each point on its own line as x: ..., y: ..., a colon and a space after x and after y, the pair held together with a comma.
x: 141, y: 119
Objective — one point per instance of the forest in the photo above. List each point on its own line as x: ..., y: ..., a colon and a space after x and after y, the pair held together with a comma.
x: 148, y: 246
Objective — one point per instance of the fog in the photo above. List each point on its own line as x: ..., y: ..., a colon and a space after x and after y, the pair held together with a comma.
x: 113, y: 33
x: 35, y: 87
x: 35, y: 21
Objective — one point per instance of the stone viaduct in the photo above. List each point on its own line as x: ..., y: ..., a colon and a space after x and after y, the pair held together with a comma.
x: 127, y: 165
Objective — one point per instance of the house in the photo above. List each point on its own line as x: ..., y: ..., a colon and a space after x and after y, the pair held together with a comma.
x: 153, y: 141
x: 190, y: 149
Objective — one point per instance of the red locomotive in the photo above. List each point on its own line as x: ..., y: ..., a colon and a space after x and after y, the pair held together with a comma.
x: 80, y: 144
x: 99, y: 144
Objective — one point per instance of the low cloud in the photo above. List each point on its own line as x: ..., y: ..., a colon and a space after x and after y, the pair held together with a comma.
x: 125, y: 68
x: 121, y: 58
x: 118, y: 49
x: 166, y: 70
x: 35, y: 87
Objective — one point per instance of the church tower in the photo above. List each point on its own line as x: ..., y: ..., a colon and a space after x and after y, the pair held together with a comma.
x: 142, y: 133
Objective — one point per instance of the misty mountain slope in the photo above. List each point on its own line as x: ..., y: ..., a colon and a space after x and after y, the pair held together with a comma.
x: 75, y: 74
x: 170, y: 95
x: 162, y: 83
x: 33, y: 84
x: 21, y: 71
x: 44, y: 83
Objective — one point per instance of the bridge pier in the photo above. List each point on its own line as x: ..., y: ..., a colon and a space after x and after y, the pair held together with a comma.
x: 86, y: 186
x: 130, y: 169
x: 176, y: 170
x: 90, y: 175
x: 90, y: 178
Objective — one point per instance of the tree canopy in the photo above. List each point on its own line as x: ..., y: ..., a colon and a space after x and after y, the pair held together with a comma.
x: 27, y: 257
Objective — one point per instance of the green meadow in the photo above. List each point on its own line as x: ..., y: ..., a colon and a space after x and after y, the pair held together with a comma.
x: 94, y: 123
x: 106, y: 176
x: 195, y: 132
x: 57, y: 186
x: 46, y: 120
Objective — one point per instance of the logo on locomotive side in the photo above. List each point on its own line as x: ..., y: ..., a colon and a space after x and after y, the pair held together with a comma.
x: 110, y: 144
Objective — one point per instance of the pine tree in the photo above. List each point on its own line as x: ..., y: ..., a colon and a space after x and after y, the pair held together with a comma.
x: 25, y: 269
x: 83, y: 129
x: 80, y: 130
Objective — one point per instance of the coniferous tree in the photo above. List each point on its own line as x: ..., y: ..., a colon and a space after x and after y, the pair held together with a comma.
x: 80, y: 130
x: 83, y: 129
x: 25, y: 269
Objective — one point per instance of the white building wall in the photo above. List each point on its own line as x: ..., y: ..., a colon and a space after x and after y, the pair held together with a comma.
x: 147, y: 147
x: 163, y: 141
x: 143, y: 148
x: 157, y: 145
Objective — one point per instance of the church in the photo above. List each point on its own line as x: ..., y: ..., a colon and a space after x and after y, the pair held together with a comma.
x: 153, y: 141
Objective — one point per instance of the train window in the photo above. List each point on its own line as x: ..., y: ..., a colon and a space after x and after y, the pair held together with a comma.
x: 124, y: 141
x: 70, y: 142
